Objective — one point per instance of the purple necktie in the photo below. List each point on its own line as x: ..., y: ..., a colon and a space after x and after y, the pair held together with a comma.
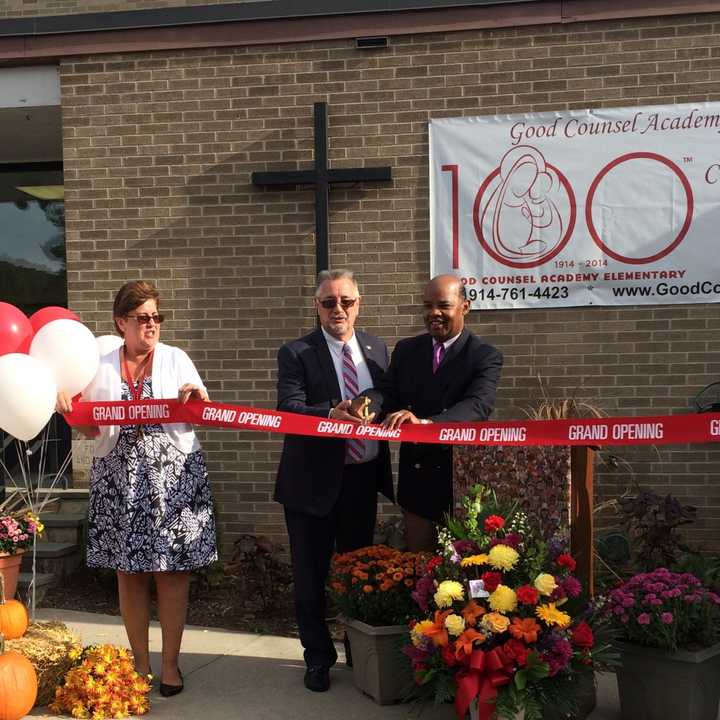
x: 438, y: 354
x: 354, y: 449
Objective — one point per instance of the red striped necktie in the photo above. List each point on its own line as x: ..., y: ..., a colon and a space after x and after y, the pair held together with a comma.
x: 354, y: 449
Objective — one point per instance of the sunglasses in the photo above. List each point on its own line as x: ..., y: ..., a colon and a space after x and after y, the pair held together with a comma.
x: 144, y: 319
x: 331, y: 303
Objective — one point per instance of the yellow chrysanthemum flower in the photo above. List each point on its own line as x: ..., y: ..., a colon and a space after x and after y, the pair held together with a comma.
x: 503, y: 557
x: 550, y: 615
x: 503, y: 599
x: 545, y: 583
x: 455, y: 624
x: 417, y: 634
x: 447, y: 591
x: 474, y: 560
x: 495, y: 622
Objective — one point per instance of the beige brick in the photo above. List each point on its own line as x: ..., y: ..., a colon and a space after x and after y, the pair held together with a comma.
x: 159, y: 148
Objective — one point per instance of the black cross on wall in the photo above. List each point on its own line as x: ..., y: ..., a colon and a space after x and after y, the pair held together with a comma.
x: 322, y: 177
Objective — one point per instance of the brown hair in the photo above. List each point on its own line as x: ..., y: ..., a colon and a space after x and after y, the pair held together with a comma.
x: 132, y: 295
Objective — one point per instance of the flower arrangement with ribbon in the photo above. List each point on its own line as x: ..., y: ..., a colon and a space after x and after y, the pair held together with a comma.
x: 18, y: 531
x: 374, y: 584
x: 499, y: 620
x: 102, y: 684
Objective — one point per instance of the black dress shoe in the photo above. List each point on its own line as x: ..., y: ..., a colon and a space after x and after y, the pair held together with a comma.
x: 170, y: 690
x: 317, y: 678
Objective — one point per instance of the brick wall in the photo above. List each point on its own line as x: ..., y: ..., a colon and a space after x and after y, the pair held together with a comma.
x: 158, y: 154
x: 39, y: 8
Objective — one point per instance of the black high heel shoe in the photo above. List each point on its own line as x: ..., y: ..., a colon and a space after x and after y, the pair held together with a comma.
x: 170, y: 690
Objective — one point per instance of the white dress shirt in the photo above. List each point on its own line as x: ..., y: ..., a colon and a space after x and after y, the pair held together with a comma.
x: 447, y: 343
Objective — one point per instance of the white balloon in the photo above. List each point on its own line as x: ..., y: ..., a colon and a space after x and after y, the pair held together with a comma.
x: 69, y: 349
x: 28, y: 392
x: 107, y: 343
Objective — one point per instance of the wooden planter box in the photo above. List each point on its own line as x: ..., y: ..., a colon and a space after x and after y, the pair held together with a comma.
x: 660, y: 685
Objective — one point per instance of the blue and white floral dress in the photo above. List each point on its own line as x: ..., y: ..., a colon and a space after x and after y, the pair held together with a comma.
x: 150, y: 506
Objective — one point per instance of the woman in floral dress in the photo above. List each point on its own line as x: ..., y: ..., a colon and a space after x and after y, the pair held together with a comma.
x: 150, y: 513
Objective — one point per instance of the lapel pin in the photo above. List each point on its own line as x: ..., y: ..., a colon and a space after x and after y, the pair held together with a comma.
x: 368, y: 347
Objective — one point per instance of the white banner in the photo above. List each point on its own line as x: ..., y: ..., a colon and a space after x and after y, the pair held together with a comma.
x: 594, y: 207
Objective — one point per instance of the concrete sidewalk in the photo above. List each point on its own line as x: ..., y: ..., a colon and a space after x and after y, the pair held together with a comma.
x: 231, y: 675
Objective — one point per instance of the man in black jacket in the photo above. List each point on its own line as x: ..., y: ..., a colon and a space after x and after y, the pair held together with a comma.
x: 445, y: 375
x: 328, y: 486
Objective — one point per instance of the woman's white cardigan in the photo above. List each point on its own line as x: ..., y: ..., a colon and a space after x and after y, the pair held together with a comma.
x: 171, y: 369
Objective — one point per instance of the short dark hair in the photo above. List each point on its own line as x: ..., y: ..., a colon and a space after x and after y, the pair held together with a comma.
x: 132, y: 295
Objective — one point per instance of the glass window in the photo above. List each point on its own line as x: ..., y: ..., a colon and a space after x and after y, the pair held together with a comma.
x: 32, y: 266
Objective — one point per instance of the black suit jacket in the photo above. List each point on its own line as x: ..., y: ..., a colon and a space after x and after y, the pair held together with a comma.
x: 309, y: 477
x: 462, y: 390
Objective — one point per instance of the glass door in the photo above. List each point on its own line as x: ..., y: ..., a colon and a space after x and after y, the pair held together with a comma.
x: 33, y: 270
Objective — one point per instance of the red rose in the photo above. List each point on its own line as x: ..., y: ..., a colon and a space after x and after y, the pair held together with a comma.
x: 491, y: 580
x: 448, y: 655
x: 493, y: 523
x: 582, y: 636
x: 567, y: 561
x: 433, y: 563
x: 517, y: 651
x: 527, y: 595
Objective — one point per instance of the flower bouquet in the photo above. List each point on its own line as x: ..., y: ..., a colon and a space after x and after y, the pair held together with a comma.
x: 102, y: 684
x: 499, y: 628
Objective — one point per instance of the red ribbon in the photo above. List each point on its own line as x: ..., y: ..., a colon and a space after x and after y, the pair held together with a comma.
x: 486, y: 672
x: 657, y: 430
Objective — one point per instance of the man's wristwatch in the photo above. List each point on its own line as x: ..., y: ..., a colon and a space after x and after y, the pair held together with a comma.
x: 425, y: 421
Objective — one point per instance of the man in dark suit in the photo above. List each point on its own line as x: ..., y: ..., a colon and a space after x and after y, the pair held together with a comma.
x: 446, y: 375
x: 328, y: 486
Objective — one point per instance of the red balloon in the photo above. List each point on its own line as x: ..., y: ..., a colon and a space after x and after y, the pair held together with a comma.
x: 16, y: 332
x: 47, y: 314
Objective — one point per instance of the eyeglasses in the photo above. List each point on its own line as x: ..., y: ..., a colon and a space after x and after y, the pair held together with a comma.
x: 144, y: 319
x: 331, y: 303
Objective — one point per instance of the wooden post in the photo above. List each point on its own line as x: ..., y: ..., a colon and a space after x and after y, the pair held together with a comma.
x: 582, y: 460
